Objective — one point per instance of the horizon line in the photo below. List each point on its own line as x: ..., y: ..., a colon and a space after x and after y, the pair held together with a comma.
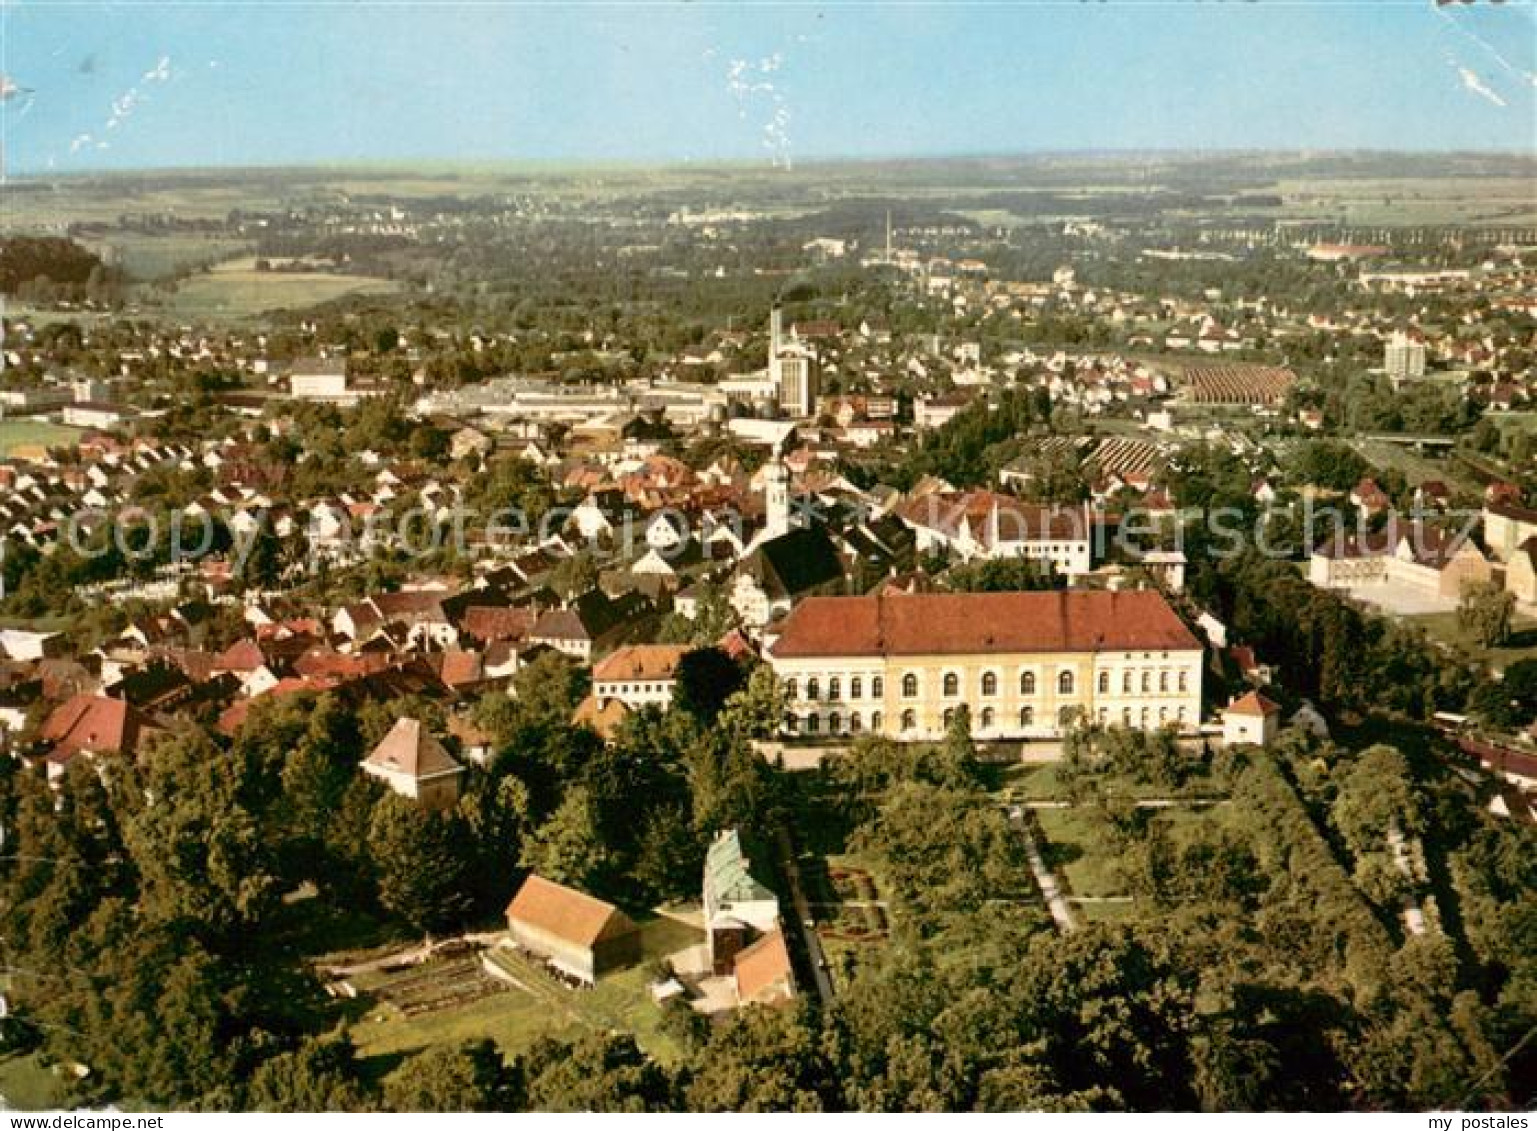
x: 752, y: 164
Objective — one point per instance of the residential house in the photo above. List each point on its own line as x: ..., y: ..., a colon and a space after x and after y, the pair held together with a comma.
x: 590, y: 625
x: 1251, y: 719
x: 92, y: 725
x: 763, y: 974
x: 414, y: 764
x: 984, y: 524
x: 605, y: 716
x: 638, y: 675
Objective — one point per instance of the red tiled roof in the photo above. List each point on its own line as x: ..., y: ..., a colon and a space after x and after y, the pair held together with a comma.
x: 1253, y: 704
x: 241, y: 656
x: 409, y: 604
x: 1512, y: 509
x: 234, y: 716
x: 457, y: 668
x: 94, y: 723
x: 566, y: 913
x: 559, y: 624
x: 198, y: 666
x: 736, y: 644
x: 961, y: 623
x: 603, y: 715
x: 640, y: 661
x: 1016, y: 520
x: 491, y: 622
x: 323, y: 662
x: 763, y: 971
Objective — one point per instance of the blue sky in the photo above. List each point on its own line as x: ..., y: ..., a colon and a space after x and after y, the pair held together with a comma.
x: 284, y: 83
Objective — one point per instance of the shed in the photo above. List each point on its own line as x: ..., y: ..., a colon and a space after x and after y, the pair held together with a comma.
x: 578, y: 934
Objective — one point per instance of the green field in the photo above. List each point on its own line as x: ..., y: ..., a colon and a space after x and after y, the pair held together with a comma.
x: 1513, y: 421
x: 27, y: 1084
x: 515, y: 1018
x: 1027, y: 781
x: 1416, y: 468
x: 15, y: 433
x: 237, y: 290
x: 1074, y: 850
x: 146, y: 257
x: 1521, y: 646
x: 1409, y: 200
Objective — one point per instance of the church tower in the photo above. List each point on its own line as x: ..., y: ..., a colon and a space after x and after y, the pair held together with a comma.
x: 776, y: 492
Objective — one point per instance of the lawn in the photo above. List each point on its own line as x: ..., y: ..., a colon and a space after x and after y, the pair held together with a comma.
x: 1075, y: 849
x: 1416, y: 468
x: 1513, y: 421
x: 542, y: 1006
x: 1126, y: 912
x: 1027, y: 781
x: 1042, y: 781
x: 34, y: 434
x: 1522, y: 644
x: 28, y: 1085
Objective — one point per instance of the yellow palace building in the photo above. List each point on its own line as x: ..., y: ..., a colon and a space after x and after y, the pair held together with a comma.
x: 1027, y: 665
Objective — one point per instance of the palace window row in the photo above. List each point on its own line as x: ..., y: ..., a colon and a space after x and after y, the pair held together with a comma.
x: 836, y: 723
x: 1146, y: 681
x: 854, y: 723
x: 950, y: 684
x: 835, y: 688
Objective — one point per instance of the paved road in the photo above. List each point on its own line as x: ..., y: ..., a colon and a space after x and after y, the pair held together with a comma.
x: 803, y: 917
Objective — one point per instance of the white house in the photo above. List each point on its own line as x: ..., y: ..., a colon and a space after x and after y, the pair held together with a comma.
x: 1251, y: 719
x: 638, y: 675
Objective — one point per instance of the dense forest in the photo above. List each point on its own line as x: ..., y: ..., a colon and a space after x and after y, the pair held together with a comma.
x: 51, y: 268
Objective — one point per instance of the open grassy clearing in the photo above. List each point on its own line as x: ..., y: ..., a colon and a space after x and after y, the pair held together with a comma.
x: 23, y: 434
x: 28, y: 1084
x: 243, y: 293
x: 1032, y: 781
x: 1408, y: 201
x: 1522, y: 644
x: 516, y: 1016
x: 1075, y: 849
x: 1076, y: 845
x: 1414, y: 467
x: 1513, y: 422
x: 147, y: 257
